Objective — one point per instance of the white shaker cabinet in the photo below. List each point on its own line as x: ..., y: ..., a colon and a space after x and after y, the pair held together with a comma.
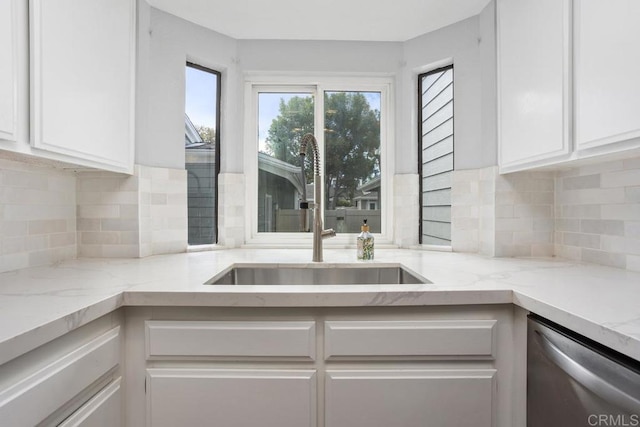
x: 82, y: 80
x: 607, y: 74
x: 440, y: 366
x: 231, y: 397
x: 533, y: 82
x: 409, y: 397
x: 13, y: 71
x: 73, y: 380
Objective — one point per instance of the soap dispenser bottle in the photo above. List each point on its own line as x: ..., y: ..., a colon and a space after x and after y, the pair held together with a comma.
x: 365, y: 243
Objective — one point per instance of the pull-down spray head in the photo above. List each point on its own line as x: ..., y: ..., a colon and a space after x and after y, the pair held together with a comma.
x: 318, y: 232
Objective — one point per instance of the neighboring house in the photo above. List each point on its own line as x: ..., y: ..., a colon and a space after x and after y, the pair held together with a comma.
x: 367, y: 195
x: 278, y: 194
x: 279, y: 191
x: 200, y: 159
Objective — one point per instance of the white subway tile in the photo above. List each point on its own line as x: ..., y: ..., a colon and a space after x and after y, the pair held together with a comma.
x: 99, y: 211
x: 62, y: 239
x: 632, y: 229
x: 48, y: 226
x: 591, y: 241
x: 13, y: 228
x: 604, y: 258
x: 633, y: 163
x: 99, y: 238
x: 622, y: 245
x: 626, y: 178
x: 632, y: 194
x: 633, y: 263
x: 630, y: 212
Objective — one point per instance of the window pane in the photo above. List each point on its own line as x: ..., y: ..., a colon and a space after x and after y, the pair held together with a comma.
x: 436, y: 155
x: 352, y: 160
x: 283, y: 118
x: 201, y: 150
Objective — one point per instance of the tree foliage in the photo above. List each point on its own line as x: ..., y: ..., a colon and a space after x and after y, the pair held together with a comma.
x: 352, y: 141
x: 207, y: 134
x: 295, y: 119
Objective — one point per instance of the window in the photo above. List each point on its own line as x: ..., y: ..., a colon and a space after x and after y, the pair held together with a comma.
x: 435, y: 154
x: 349, y: 123
x: 202, y: 151
x: 283, y: 118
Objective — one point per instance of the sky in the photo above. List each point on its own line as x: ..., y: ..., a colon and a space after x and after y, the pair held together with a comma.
x: 200, y: 97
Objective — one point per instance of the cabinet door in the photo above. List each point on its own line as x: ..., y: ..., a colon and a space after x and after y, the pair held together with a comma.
x: 9, y: 27
x: 82, y: 58
x: 103, y: 410
x: 409, y: 398
x: 533, y: 82
x: 607, y: 70
x: 231, y: 398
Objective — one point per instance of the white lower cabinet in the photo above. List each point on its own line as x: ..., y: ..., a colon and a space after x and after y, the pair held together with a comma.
x: 231, y: 397
x: 102, y: 410
x: 440, y: 367
x: 409, y: 398
x: 73, y: 380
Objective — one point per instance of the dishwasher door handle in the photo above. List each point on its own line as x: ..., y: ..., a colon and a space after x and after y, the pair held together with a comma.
x: 594, y: 383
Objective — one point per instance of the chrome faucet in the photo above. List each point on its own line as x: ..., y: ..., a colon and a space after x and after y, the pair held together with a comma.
x: 318, y: 233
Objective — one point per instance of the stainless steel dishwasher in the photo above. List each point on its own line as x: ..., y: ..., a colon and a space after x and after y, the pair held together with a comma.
x: 574, y: 381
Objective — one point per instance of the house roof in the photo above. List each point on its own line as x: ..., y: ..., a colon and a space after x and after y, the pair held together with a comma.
x: 371, y: 185
x: 192, y: 138
x: 290, y: 172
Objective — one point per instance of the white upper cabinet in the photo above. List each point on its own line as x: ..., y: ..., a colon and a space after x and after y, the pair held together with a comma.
x: 9, y: 72
x: 607, y: 72
x: 8, y: 93
x: 568, y: 85
x: 533, y: 82
x: 82, y: 80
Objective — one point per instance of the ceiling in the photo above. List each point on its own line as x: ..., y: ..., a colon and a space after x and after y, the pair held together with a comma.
x: 370, y: 20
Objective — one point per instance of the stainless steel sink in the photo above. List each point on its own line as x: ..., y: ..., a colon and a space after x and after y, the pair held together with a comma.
x: 316, y: 274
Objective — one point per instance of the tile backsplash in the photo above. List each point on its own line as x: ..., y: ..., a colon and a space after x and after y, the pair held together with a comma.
x: 49, y: 214
x: 132, y: 216
x: 588, y: 213
x: 502, y: 215
x: 38, y: 215
x: 597, y: 213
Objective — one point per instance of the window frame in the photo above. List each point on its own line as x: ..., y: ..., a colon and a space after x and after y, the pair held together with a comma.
x: 421, y: 76
x: 317, y: 85
x: 217, y: 145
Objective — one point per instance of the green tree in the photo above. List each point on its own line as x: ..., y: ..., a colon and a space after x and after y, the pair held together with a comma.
x: 207, y: 134
x: 352, y: 141
x: 295, y: 119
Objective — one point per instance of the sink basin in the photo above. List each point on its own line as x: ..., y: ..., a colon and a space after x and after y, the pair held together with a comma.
x: 316, y: 274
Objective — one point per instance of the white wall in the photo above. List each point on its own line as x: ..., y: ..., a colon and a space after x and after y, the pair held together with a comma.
x: 489, y: 87
x: 463, y: 44
x: 165, y: 43
x: 320, y: 56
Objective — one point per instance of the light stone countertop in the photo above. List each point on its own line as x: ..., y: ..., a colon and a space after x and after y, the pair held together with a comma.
x: 39, y: 304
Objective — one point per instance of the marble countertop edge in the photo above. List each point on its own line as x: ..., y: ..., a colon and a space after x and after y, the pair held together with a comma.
x: 42, y: 303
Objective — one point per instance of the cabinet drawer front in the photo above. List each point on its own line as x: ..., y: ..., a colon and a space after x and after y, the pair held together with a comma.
x: 231, y: 397
x: 103, y: 410
x: 231, y: 339
x: 34, y: 398
x: 467, y: 338
x: 404, y: 398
